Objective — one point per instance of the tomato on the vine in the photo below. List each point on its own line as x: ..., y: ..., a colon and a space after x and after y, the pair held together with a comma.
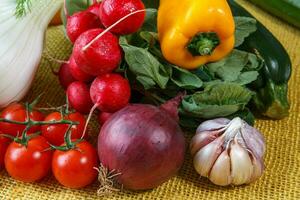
x: 28, y: 163
x: 17, y: 112
x: 55, y: 133
x: 74, y: 168
x: 4, y: 142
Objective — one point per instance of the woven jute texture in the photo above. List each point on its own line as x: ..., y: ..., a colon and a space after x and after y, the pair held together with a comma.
x: 281, y: 179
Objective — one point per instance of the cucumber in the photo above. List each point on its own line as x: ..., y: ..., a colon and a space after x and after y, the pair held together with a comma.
x: 288, y: 10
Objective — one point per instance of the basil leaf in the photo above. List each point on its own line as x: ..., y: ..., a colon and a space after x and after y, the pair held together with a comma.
x: 244, y: 26
x: 185, y: 79
x: 145, y: 66
x: 218, y: 100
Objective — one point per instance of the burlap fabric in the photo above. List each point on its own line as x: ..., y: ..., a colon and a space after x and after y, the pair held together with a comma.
x: 281, y: 179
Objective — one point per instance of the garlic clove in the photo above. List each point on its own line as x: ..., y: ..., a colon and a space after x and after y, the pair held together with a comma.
x: 202, y: 139
x: 241, y: 165
x: 254, y: 141
x: 213, y: 124
x: 258, y: 168
x: 220, y: 173
x: 205, y: 158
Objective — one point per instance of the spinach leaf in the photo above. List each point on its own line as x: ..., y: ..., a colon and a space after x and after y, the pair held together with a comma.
x: 239, y: 67
x: 145, y: 66
x: 244, y: 26
x: 185, y: 79
x: 218, y: 100
x: 229, y: 68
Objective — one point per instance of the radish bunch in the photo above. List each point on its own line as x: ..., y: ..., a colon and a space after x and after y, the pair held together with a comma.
x: 88, y: 77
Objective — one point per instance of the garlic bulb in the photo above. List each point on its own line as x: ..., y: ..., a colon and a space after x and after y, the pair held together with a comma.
x: 228, y: 152
x: 21, y: 45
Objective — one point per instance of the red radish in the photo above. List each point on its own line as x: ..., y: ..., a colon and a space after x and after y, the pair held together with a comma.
x: 79, y: 97
x: 95, y: 8
x: 81, y: 22
x: 77, y: 73
x: 143, y: 144
x: 103, y: 117
x: 101, y: 57
x: 113, y: 10
x: 110, y: 92
x: 64, y: 75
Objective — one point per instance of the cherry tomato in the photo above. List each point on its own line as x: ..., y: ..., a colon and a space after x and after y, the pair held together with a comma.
x: 4, y: 142
x: 55, y: 133
x: 75, y: 168
x: 31, y: 163
x: 17, y: 112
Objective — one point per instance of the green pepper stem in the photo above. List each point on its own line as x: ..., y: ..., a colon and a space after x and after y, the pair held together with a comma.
x: 203, y: 44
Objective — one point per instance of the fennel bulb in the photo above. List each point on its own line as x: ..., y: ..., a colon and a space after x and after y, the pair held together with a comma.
x: 21, y: 45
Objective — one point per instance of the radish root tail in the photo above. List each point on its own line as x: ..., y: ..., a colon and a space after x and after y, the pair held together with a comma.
x: 107, y: 183
x: 88, y: 120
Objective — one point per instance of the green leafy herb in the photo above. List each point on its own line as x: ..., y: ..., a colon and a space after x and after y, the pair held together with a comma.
x: 150, y: 23
x: 239, y: 67
x: 218, y: 100
x: 185, y: 79
x: 23, y: 6
x: 151, y: 3
x: 244, y: 26
x: 145, y: 66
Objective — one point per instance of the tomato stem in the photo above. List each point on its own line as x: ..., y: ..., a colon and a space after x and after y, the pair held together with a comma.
x: 39, y: 123
x: 69, y: 144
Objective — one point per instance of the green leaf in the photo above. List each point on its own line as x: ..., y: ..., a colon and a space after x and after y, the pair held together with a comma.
x: 204, y: 74
x: 239, y: 67
x: 217, y: 100
x: 151, y: 3
x: 150, y: 23
x: 185, y: 79
x: 244, y: 26
x: 229, y: 68
x: 247, y: 77
x: 145, y: 66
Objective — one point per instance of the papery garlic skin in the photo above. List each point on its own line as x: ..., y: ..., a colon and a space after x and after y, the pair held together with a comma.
x: 228, y: 152
x: 21, y: 46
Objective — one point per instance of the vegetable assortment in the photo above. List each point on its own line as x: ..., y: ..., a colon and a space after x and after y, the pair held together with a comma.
x: 151, y: 68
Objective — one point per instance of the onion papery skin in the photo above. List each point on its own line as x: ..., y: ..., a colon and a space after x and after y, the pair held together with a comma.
x: 144, y: 144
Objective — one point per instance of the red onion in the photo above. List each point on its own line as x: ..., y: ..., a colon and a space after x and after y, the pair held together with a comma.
x: 144, y: 144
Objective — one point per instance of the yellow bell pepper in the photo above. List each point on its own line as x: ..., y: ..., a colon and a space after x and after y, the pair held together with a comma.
x: 195, y: 32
